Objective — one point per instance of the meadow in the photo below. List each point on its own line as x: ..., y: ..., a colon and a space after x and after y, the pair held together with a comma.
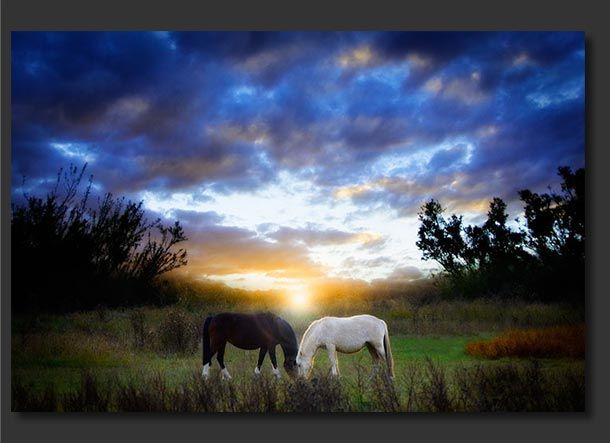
x: 149, y: 359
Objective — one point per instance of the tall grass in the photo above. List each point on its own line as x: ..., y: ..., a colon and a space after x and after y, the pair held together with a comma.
x: 431, y: 388
x: 562, y: 341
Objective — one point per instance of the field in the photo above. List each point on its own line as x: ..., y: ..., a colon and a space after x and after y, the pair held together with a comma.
x: 150, y: 359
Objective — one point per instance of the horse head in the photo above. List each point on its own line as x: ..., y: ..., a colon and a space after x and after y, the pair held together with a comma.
x: 304, y: 366
x: 288, y: 343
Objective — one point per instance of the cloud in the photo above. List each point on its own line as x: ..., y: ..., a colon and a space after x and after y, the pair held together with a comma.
x: 446, y: 158
x: 405, y: 274
x: 315, y: 236
x: 216, y: 250
x: 357, y: 57
x: 466, y: 90
x: 373, y: 122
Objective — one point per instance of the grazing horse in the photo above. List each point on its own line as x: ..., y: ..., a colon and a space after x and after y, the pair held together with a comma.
x: 347, y: 335
x: 262, y: 331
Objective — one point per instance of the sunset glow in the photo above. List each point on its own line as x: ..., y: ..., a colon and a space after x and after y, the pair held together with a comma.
x: 295, y: 158
x: 300, y: 298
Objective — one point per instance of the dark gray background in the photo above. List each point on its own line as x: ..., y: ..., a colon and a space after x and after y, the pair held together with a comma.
x: 586, y: 16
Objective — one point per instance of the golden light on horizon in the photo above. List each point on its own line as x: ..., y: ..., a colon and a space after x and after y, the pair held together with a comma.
x: 299, y: 298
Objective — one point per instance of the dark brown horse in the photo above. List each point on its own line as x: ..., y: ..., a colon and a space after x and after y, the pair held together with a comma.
x: 262, y: 331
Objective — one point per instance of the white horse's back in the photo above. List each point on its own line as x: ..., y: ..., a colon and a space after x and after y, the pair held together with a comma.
x: 350, y: 334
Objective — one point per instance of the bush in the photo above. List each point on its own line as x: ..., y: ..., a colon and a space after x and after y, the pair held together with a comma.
x: 148, y: 395
x: 320, y: 394
x: 434, y: 395
x: 84, y: 255
x: 177, y: 333
x: 385, y: 395
x: 556, y: 342
x: 136, y: 318
x: 26, y: 399
x: 515, y: 388
x: 90, y: 397
x: 508, y: 387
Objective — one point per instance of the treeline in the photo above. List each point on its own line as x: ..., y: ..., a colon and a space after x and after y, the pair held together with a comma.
x: 542, y: 260
x: 69, y: 254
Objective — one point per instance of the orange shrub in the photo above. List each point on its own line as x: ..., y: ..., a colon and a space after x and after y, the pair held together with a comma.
x: 555, y: 342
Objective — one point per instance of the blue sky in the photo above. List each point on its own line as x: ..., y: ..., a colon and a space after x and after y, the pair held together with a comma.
x: 291, y: 158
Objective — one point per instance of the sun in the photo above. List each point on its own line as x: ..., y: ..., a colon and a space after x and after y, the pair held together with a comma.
x: 299, y: 298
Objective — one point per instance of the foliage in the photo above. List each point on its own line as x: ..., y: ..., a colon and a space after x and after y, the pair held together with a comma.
x: 556, y: 342
x: 177, y: 333
x: 545, y: 261
x: 49, y: 353
x: 68, y: 254
x: 432, y: 387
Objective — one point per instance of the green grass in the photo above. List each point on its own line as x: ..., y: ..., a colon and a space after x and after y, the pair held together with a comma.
x: 53, y: 351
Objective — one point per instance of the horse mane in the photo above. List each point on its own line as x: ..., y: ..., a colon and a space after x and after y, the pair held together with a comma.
x: 286, y: 333
x: 308, y: 332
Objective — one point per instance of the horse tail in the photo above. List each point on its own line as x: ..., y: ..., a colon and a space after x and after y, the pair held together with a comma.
x: 206, y: 340
x: 388, y: 350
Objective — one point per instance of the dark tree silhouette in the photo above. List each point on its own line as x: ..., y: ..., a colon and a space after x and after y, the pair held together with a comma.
x: 545, y: 261
x: 556, y: 235
x: 439, y: 239
x: 68, y: 254
x: 556, y: 222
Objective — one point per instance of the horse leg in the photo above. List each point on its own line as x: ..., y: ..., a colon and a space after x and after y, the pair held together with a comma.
x: 375, y: 355
x: 261, y: 357
x: 275, y: 370
x: 207, y: 358
x: 221, y: 361
x: 334, y: 362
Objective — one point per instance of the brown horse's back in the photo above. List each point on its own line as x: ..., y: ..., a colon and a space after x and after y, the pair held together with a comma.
x: 245, y: 331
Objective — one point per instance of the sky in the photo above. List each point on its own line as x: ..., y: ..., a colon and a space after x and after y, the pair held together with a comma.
x: 297, y: 157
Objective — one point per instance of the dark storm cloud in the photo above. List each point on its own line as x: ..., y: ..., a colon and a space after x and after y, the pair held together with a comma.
x: 228, y: 111
x: 79, y: 73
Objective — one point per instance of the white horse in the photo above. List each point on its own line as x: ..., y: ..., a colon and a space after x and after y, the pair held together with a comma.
x: 346, y: 335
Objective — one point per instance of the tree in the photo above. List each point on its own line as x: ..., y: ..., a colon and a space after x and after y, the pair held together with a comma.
x: 441, y: 240
x: 556, y: 222
x: 68, y: 254
x: 476, y: 258
x: 547, y: 259
x: 556, y: 236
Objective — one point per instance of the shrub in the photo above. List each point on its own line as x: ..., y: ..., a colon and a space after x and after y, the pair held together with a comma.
x: 90, y: 397
x: 259, y: 395
x: 26, y: 399
x: 555, y: 342
x: 385, y: 395
x: 514, y: 387
x: 148, y: 395
x: 434, y: 395
x: 320, y: 394
x: 136, y: 318
x: 177, y: 333
x: 86, y: 254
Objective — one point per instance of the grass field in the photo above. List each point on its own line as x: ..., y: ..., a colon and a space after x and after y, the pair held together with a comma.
x: 132, y: 361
